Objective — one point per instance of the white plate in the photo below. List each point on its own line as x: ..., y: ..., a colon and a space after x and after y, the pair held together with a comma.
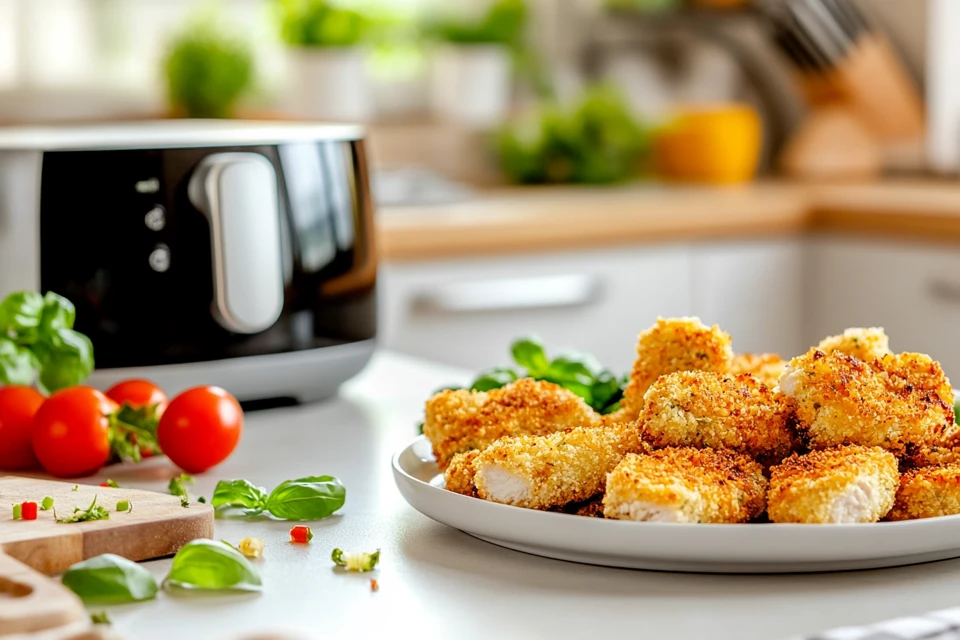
x: 712, y: 548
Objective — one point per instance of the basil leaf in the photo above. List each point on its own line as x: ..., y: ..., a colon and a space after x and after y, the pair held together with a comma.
x: 66, y: 359
x: 574, y: 366
x: 240, y: 494
x: 213, y: 566
x: 607, y: 391
x: 20, y: 315
x: 309, y: 498
x: 494, y: 379
x: 18, y: 365
x: 110, y: 578
x: 58, y: 313
x: 529, y: 353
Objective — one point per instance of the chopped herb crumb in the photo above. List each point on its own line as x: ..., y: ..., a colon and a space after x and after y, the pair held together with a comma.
x: 46, y: 504
x: 100, y: 617
x: 124, y: 506
x: 17, y: 512
x: 93, y: 512
x: 184, y: 501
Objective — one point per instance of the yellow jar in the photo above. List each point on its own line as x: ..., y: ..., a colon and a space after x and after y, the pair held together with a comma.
x: 713, y: 144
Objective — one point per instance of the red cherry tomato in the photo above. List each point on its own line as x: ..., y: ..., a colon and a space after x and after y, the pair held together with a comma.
x: 137, y: 394
x: 200, y: 428
x: 70, y: 432
x: 18, y: 405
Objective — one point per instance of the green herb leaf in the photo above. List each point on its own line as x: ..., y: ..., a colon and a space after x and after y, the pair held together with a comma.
x: 494, y: 379
x: 46, y: 504
x: 529, y: 353
x: 357, y: 561
x: 310, y: 498
x: 574, y: 367
x: 110, y: 578
x: 184, y: 502
x: 100, y: 617
x: 212, y: 566
x: 607, y: 392
x: 239, y: 494
x: 20, y: 315
x: 202, y: 500
x: 66, y: 359
x: 177, y: 484
x: 18, y: 365
x: 93, y: 512
x: 58, y: 313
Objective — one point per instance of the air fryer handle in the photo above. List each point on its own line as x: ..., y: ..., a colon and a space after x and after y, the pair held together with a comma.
x: 237, y: 192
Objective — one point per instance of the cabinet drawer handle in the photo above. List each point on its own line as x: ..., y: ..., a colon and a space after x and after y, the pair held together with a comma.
x: 510, y: 294
x: 944, y: 291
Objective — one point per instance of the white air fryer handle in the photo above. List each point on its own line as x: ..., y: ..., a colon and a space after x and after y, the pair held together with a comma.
x: 238, y: 194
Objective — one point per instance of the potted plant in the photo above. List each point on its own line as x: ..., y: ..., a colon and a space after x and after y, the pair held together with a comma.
x: 325, y: 60
x: 208, y: 71
x: 470, y: 79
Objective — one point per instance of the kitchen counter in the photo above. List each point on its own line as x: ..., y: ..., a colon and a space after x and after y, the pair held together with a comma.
x: 524, y: 220
x: 436, y: 582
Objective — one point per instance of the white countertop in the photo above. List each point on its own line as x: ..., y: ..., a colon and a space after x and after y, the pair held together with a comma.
x: 436, y: 582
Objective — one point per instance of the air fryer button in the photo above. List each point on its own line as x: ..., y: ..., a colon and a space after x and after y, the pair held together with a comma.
x: 156, y: 218
x: 150, y: 185
x: 160, y: 258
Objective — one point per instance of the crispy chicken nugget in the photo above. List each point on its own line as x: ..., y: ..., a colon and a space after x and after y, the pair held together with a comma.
x: 542, y: 472
x: 766, y: 367
x: 591, y: 508
x: 842, y: 485
x: 709, y: 410
x: 863, y: 344
x: 459, y: 421
x: 686, y: 485
x: 927, y: 493
x: 459, y: 474
x: 673, y: 344
x: 900, y: 402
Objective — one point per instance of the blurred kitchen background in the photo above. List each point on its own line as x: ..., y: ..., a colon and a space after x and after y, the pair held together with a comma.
x: 575, y: 168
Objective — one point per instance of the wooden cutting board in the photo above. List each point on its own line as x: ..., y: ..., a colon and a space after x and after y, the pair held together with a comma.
x: 157, y: 526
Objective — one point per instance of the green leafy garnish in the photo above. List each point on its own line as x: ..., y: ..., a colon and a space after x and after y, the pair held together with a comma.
x: 202, y: 500
x: 46, y: 504
x: 212, y: 566
x: 110, y: 579
x: 76, y: 487
x: 310, y: 498
x: 38, y: 343
x: 178, y: 485
x: 358, y: 561
x: 100, y: 617
x: 112, y: 484
x: 93, y: 512
x: 184, y: 502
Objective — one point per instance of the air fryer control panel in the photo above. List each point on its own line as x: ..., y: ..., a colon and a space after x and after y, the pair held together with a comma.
x: 121, y: 237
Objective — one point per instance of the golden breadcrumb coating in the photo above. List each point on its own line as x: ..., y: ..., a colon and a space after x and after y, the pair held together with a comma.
x: 927, y: 493
x: 863, y: 344
x: 459, y: 421
x: 459, y: 474
x: 718, y: 411
x: 842, y: 485
x: 673, y: 344
x: 686, y: 485
x: 918, y: 457
x: 766, y: 367
x: 540, y: 472
x: 900, y: 402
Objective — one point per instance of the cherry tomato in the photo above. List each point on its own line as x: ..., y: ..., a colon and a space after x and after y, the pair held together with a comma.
x: 137, y: 394
x: 200, y: 428
x: 70, y: 432
x: 18, y: 405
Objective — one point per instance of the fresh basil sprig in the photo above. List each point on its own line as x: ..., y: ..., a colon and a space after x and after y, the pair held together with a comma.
x: 310, y: 498
x: 110, y: 579
x: 576, y: 372
x: 38, y: 343
x: 212, y: 566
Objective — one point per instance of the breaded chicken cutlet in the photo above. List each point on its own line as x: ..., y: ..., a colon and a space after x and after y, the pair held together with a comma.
x: 863, y: 344
x: 460, y: 421
x: 673, y: 344
x: 460, y: 472
x: 766, y: 367
x: 686, y: 485
x: 927, y: 493
x: 718, y: 411
x: 900, y: 402
x: 847, y: 484
x: 543, y: 472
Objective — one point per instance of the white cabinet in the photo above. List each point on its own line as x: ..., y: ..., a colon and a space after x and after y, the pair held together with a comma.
x: 754, y: 291
x: 466, y: 312
x: 912, y: 290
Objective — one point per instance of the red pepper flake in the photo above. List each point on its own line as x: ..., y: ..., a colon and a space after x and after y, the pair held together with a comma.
x: 374, y: 585
x: 301, y: 534
x: 29, y: 510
